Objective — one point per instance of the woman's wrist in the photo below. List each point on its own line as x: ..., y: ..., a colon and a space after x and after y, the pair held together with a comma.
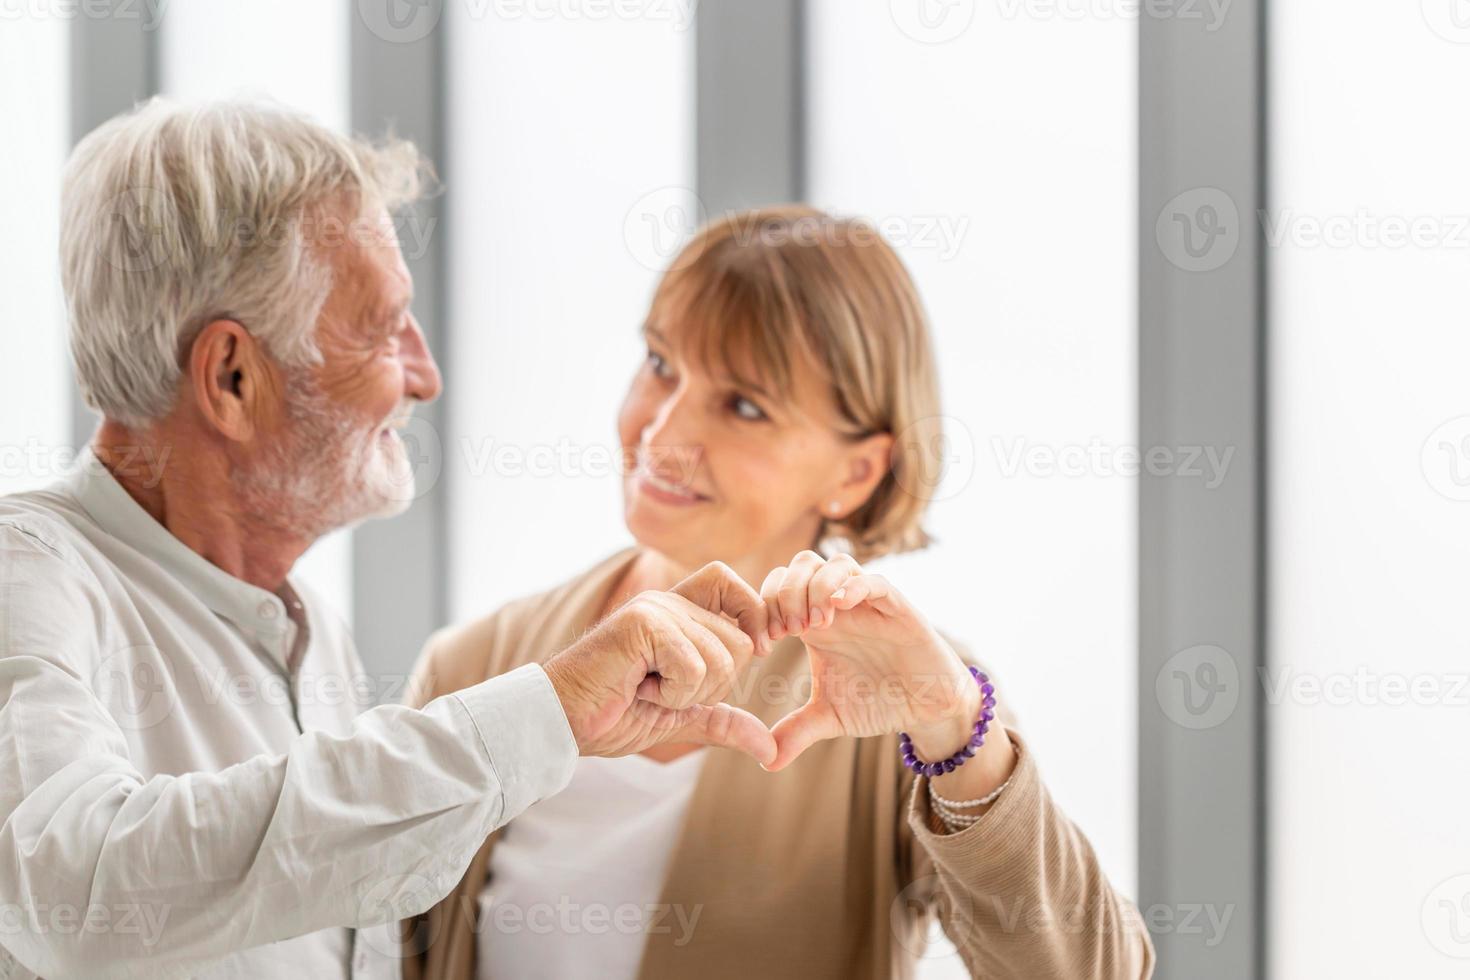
x: 943, y: 738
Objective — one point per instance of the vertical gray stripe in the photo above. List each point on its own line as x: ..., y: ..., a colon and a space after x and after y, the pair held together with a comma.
x: 399, y: 566
x: 1202, y: 548
x: 750, y: 103
x: 114, y: 65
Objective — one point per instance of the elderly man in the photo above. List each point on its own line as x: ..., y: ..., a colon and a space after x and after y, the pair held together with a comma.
x: 239, y: 313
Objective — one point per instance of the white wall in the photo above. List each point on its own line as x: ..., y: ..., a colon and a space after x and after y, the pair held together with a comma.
x: 1017, y: 132
x: 290, y: 51
x: 1370, y: 521
x: 558, y: 127
x: 35, y: 407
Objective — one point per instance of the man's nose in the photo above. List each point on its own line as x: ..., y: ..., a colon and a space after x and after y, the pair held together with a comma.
x: 421, y: 378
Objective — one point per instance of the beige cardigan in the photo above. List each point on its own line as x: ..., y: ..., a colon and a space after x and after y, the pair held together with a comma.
x: 826, y: 869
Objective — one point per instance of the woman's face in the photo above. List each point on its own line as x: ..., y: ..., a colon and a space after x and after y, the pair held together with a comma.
x: 731, y: 472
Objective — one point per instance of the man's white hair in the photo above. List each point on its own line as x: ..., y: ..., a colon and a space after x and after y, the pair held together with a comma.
x: 174, y: 216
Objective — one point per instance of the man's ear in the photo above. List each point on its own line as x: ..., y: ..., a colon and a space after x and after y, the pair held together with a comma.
x: 229, y: 377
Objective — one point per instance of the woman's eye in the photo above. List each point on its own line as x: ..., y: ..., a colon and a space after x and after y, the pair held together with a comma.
x: 659, y: 366
x: 747, y: 409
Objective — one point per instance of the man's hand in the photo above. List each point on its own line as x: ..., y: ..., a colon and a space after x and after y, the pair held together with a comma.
x: 659, y: 668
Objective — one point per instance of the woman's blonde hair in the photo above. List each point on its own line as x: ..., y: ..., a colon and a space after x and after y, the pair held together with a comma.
x: 761, y: 290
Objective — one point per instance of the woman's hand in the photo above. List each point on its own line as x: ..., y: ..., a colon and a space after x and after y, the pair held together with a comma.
x: 877, y: 667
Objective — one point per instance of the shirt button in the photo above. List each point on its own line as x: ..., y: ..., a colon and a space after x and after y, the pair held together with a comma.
x: 267, y: 610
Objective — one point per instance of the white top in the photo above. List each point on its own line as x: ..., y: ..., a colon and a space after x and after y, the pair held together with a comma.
x: 176, y: 801
x: 575, y: 884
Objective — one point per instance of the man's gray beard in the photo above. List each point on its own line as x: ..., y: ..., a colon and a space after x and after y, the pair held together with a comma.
x: 315, y: 480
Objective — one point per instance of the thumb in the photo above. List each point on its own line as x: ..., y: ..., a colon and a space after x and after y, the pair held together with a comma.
x: 728, y: 727
x: 800, y: 730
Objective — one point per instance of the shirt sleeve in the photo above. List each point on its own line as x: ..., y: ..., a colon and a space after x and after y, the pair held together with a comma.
x: 349, y: 830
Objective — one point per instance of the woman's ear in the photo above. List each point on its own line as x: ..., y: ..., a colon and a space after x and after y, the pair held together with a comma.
x: 869, y: 461
x: 228, y: 377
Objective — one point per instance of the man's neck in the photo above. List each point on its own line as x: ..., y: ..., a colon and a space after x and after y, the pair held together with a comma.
x: 185, y: 485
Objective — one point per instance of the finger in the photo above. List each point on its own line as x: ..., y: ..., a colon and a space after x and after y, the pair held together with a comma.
x: 775, y: 626
x: 791, y: 596
x: 717, y: 588
x: 875, y: 590
x: 727, y: 727
x: 828, y: 580
x: 679, y: 667
x: 719, y: 661
x: 718, y: 640
x: 800, y: 730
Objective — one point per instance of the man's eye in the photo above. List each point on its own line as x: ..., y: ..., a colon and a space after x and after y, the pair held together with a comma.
x: 747, y: 409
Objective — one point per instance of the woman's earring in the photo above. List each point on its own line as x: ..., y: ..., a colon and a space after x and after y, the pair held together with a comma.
x: 834, y: 508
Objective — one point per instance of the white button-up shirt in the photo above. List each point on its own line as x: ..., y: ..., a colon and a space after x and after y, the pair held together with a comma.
x: 189, y: 785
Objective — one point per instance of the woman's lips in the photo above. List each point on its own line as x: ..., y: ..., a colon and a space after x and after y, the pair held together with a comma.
x: 666, y: 491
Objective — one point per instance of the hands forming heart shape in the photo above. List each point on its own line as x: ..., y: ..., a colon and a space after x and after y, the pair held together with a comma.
x: 659, y: 668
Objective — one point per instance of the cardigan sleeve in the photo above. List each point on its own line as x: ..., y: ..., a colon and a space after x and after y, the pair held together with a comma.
x: 1020, y: 893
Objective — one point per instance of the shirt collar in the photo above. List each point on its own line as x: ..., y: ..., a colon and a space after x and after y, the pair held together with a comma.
x: 256, y: 611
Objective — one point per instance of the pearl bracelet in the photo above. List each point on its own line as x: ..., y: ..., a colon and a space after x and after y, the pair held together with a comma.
x: 949, y: 810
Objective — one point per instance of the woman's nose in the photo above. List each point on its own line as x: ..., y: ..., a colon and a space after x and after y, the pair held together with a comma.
x: 674, y: 426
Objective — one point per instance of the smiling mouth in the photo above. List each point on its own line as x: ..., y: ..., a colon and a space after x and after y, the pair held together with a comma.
x: 667, y: 489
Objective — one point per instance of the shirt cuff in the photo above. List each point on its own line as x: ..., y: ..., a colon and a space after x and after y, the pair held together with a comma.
x: 525, y: 733
x: 985, y: 850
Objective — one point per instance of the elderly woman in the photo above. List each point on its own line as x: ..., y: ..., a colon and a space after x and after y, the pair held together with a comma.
x: 787, y: 403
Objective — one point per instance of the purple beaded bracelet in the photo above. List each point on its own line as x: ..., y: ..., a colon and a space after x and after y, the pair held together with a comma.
x: 987, y: 715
